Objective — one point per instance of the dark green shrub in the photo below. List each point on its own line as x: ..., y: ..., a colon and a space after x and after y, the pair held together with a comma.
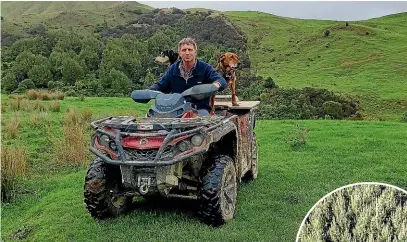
x: 333, y: 109
x: 55, y: 85
x: 28, y: 83
x: 306, y: 103
x: 269, y: 83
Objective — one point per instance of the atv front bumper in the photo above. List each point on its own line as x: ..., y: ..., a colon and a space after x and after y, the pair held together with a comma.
x: 144, y: 163
x: 160, y: 158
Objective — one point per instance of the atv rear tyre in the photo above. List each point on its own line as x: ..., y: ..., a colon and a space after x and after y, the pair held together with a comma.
x: 217, y: 196
x: 254, y: 157
x: 100, y: 202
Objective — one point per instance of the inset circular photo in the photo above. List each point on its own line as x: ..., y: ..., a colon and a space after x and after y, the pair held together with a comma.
x: 357, y: 212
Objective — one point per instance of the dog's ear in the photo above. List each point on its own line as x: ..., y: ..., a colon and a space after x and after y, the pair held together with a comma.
x: 170, y: 52
x: 221, y: 58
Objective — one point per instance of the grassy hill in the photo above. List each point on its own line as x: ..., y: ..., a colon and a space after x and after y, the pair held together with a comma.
x: 366, y: 58
x: 80, y: 16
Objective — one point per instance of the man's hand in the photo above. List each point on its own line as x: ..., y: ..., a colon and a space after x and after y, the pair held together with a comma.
x: 217, y: 84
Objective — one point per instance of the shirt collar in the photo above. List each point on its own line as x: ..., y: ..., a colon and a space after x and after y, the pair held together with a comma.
x: 181, y: 65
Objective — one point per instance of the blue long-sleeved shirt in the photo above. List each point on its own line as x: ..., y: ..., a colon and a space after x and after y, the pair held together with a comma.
x: 203, y: 73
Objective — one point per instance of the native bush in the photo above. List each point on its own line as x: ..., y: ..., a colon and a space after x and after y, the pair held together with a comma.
x: 306, y: 103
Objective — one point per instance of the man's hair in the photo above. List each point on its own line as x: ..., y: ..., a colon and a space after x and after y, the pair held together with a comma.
x: 188, y: 41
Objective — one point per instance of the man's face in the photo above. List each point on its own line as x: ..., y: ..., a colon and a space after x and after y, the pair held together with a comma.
x: 187, y: 52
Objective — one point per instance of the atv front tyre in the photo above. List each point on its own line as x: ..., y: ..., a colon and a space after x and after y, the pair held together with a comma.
x: 217, y: 195
x: 101, y: 185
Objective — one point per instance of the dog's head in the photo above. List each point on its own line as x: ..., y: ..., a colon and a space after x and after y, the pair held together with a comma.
x: 167, y: 57
x: 228, y: 61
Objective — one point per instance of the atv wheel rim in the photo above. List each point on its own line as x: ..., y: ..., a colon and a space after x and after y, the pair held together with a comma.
x: 228, y: 195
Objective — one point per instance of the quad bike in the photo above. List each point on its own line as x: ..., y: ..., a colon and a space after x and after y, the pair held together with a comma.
x: 173, y: 153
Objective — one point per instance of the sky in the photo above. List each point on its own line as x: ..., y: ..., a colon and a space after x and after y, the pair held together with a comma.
x: 327, y: 10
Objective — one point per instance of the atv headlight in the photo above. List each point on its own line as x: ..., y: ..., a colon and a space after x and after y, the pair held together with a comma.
x: 197, y: 140
x: 104, y: 140
x: 183, y: 146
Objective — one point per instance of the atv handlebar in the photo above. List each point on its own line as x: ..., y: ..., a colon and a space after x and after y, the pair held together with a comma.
x: 198, y: 92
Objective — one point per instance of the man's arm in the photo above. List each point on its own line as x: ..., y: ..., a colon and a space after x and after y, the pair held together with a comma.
x: 164, y: 84
x: 215, y: 78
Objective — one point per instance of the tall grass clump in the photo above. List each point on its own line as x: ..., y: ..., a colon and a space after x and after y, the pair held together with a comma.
x: 86, y: 115
x: 44, y: 95
x: 54, y: 106
x: 58, y: 95
x: 73, y: 147
x: 32, y: 94
x: 24, y: 104
x: 38, y: 105
x: 12, y: 126
x: 3, y: 107
x: 38, y: 119
x: 19, y: 103
x: 367, y: 212
x: 13, y: 166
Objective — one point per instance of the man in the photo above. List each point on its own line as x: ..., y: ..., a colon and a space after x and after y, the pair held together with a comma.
x: 188, y: 72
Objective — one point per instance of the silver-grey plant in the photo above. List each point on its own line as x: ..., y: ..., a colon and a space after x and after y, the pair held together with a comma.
x: 366, y: 212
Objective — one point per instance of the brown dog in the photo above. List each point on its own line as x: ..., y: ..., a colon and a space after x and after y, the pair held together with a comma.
x: 226, y: 66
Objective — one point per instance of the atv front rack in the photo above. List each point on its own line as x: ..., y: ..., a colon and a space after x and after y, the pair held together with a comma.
x: 132, y: 124
x: 170, y: 129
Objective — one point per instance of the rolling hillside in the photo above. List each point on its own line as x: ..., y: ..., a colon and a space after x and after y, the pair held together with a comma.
x: 366, y: 58
x: 80, y: 16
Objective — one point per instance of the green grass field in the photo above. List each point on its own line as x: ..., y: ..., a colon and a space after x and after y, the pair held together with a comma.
x: 271, y: 208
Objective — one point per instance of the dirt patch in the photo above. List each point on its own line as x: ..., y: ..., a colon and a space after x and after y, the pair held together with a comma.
x: 370, y: 58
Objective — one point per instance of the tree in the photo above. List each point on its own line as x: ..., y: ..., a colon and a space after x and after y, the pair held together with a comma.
x: 24, y: 62
x: 40, y: 75
x: 119, y: 82
x: 35, y: 67
x: 69, y: 41
x: 36, y: 45
x: 149, y: 79
x: 90, y: 58
x: 8, y: 82
x: 159, y: 41
x: 71, y: 71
